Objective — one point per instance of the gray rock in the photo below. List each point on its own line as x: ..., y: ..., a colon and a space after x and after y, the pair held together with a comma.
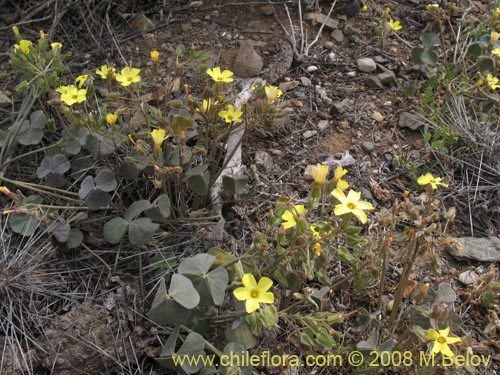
x: 468, y: 277
x: 377, y: 116
x: 373, y: 82
x: 318, y: 18
x: 338, y: 35
x: 312, y: 68
x: 410, y: 121
x: 367, y: 146
x: 305, y: 81
x: 323, y: 125
x: 343, y: 106
x: 288, y: 86
x: 309, y: 134
x: 248, y: 63
x: 332, y: 56
x: 387, y: 78
x: 329, y: 45
x: 265, y: 160
x: 350, y: 30
x: 351, y: 8
x: 366, y: 65
x: 479, y: 249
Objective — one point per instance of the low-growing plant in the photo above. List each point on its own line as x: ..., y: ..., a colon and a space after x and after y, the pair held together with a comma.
x: 296, y: 250
x: 146, y: 158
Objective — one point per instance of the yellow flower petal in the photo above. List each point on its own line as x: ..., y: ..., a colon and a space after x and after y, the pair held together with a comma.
x: 266, y: 297
x: 241, y: 294
x: 265, y: 283
x: 251, y: 305
x: 361, y: 215
x: 248, y: 281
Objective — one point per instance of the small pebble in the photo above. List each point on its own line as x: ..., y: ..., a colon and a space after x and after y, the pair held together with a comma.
x: 377, y: 116
x: 323, y: 125
x: 366, y: 65
x: 305, y: 81
x: 332, y: 56
x: 468, y: 277
x: 312, y: 68
x: 309, y: 134
x: 367, y: 146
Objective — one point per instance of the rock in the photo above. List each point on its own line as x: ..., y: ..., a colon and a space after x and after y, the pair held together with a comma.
x: 140, y: 23
x: 4, y: 99
x: 305, y: 81
x: 387, y: 78
x: 367, y: 146
x: 377, y: 116
x: 332, y: 56
x: 276, y: 152
x: 312, y: 68
x: 309, y: 134
x: 265, y: 160
x: 195, y: 4
x: 351, y: 74
x: 351, y: 8
x: 380, y: 59
x: 338, y: 35
x: 318, y: 18
x: 323, y: 125
x: 349, y: 30
x: 186, y: 26
x: 329, y: 45
x: 410, y: 121
x: 344, y: 124
x: 308, y: 176
x: 468, y: 277
x: 248, y: 63
x: 478, y: 249
x: 373, y: 82
x: 343, y: 106
x: 366, y: 65
x: 287, y: 86
x: 266, y: 10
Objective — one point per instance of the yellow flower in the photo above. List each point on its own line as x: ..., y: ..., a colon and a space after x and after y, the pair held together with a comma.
x: 230, y: 115
x: 56, y: 45
x: 441, y: 341
x: 494, y: 36
x: 207, y: 104
x: 496, y: 51
x: 351, y: 204
x: 154, y: 56
x: 386, y: 11
x: 272, y: 92
x: 497, y: 12
x: 128, y: 76
x: 429, y: 179
x: 315, y: 231
x: 219, y: 76
x: 158, y: 136
x: 104, y: 71
x: 111, y: 118
x: 319, y: 173
x: 80, y: 80
x: 337, y: 177
x: 432, y: 6
x: 7, y: 192
x: 291, y: 216
x: 15, y: 30
x: 395, y: 25
x: 42, y: 35
x: 24, y: 45
x: 317, y: 248
x: 254, y: 293
x: 492, y: 81
x: 364, y: 8
x: 71, y: 94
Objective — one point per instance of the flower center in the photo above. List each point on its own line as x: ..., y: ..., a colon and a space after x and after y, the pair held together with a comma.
x: 129, y: 78
x: 74, y: 96
x: 441, y: 340
x: 254, y: 293
x: 351, y: 205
